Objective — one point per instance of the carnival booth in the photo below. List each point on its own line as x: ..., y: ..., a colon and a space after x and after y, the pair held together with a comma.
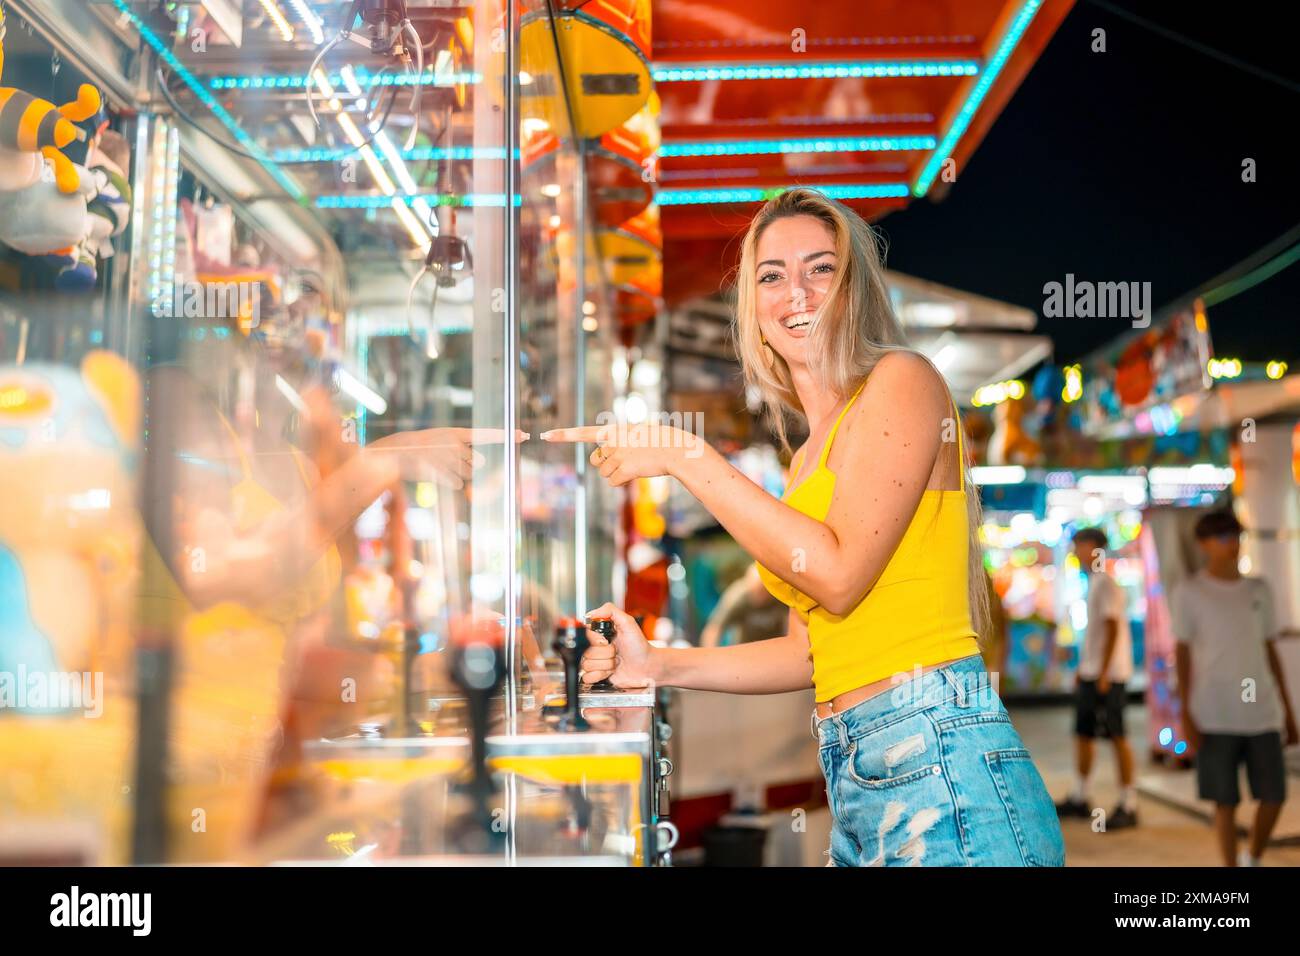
x: 1217, y: 433
x: 288, y: 290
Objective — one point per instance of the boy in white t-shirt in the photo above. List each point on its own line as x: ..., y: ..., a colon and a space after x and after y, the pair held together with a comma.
x: 1230, y: 682
x: 1105, y: 665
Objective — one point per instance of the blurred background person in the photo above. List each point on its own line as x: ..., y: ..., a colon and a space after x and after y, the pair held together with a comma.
x: 746, y: 606
x: 1235, y: 705
x: 1105, y: 666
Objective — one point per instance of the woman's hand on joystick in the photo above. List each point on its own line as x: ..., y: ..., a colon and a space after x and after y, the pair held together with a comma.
x: 627, y: 663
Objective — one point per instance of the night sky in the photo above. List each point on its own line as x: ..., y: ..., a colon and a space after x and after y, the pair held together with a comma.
x: 1126, y: 166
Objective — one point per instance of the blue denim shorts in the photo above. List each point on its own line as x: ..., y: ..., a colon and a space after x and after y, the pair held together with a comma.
x: 932, y: 773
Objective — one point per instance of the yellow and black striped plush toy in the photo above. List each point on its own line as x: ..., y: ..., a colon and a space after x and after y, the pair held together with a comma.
x: 30, y: 124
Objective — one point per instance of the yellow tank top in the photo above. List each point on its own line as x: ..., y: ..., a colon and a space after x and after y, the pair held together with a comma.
x: 250, y: 504
x: 916, y: 614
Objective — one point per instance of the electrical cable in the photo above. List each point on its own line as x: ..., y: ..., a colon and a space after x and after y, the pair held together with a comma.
x: 406, y: 35
x: 344, y: 33
x: 433, y: 305
x: 240, y: 151
x: 1254, y: 277
x: 423, y: 178
x: 418, y: 92
x: 1199, y: 47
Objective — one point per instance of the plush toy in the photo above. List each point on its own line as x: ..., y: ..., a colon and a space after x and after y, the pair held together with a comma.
x: 18, y: 170
x: 29, y: 124
x: 44, y: 196
x: 1011, y: 442
x: 69, y: 531
x: 67, y: 440
x: 40, y: 219
x: 108, y: 208
x: 48, y: 225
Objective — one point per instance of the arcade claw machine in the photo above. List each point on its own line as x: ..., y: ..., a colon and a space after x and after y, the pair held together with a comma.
x: 272, y: 411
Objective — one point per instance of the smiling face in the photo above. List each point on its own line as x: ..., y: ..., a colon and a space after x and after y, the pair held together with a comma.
x: 796, y: 265
x: 807, y: 257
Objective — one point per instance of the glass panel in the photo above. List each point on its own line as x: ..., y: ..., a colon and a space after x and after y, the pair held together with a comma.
x: 70, y: 453
x: 269, y: 428
x: 560, y: 505
x: 341, y: 485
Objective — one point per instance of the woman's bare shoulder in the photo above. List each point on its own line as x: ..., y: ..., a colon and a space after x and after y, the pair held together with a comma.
x: 903, y: 374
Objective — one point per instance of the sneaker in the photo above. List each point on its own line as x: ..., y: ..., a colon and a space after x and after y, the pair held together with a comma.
x: 1245, y: 859
x: 1121, y: 819
x: 1070, y: 807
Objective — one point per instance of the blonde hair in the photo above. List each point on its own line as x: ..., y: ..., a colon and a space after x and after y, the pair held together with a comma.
x: 855, y: 328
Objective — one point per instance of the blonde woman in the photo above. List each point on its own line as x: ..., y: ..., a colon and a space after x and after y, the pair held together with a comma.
x: 873, y: 549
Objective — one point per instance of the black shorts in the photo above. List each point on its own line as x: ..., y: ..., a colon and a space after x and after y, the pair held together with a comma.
x: 1097, y: 715
x: 1220, y: 756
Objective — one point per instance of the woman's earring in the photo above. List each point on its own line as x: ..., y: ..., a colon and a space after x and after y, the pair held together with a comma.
x: 768, y: 355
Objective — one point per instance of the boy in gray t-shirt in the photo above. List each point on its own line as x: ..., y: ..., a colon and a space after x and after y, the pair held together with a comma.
x: 1105, y: 666
x: 1231, y: 686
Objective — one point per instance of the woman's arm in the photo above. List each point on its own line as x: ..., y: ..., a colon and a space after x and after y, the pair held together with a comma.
x: 260, y: 564
x: 889, y: 442
x: 213, y: 560
x: 774, y: 666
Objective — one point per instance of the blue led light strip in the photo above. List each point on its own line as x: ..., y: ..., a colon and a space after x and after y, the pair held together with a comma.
x: 348, y: 201
x: 207, y: 99
x: 696, y: 197
x: 281, y: 81
x: 686, y: 73
x: 751, y: 147
x: 962, y: 120
x: 418, y: 154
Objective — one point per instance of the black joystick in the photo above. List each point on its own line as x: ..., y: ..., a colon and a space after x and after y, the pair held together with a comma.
x: 477, y: 666
x: 603, y: 626
x: 571, y: 642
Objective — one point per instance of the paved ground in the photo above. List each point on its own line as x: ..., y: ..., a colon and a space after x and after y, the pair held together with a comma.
x: 1166, y: 836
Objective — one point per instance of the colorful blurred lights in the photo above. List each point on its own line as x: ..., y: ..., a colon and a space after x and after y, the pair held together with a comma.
x: 1073, y: 390
x: 278, y: 18
x: 981, y: 87
x: 1224, y: 368
x: 695, y: 73
x: 998, y: 475
x: 751, y: 147
x: 691, y: 197
x: 998, y: 392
